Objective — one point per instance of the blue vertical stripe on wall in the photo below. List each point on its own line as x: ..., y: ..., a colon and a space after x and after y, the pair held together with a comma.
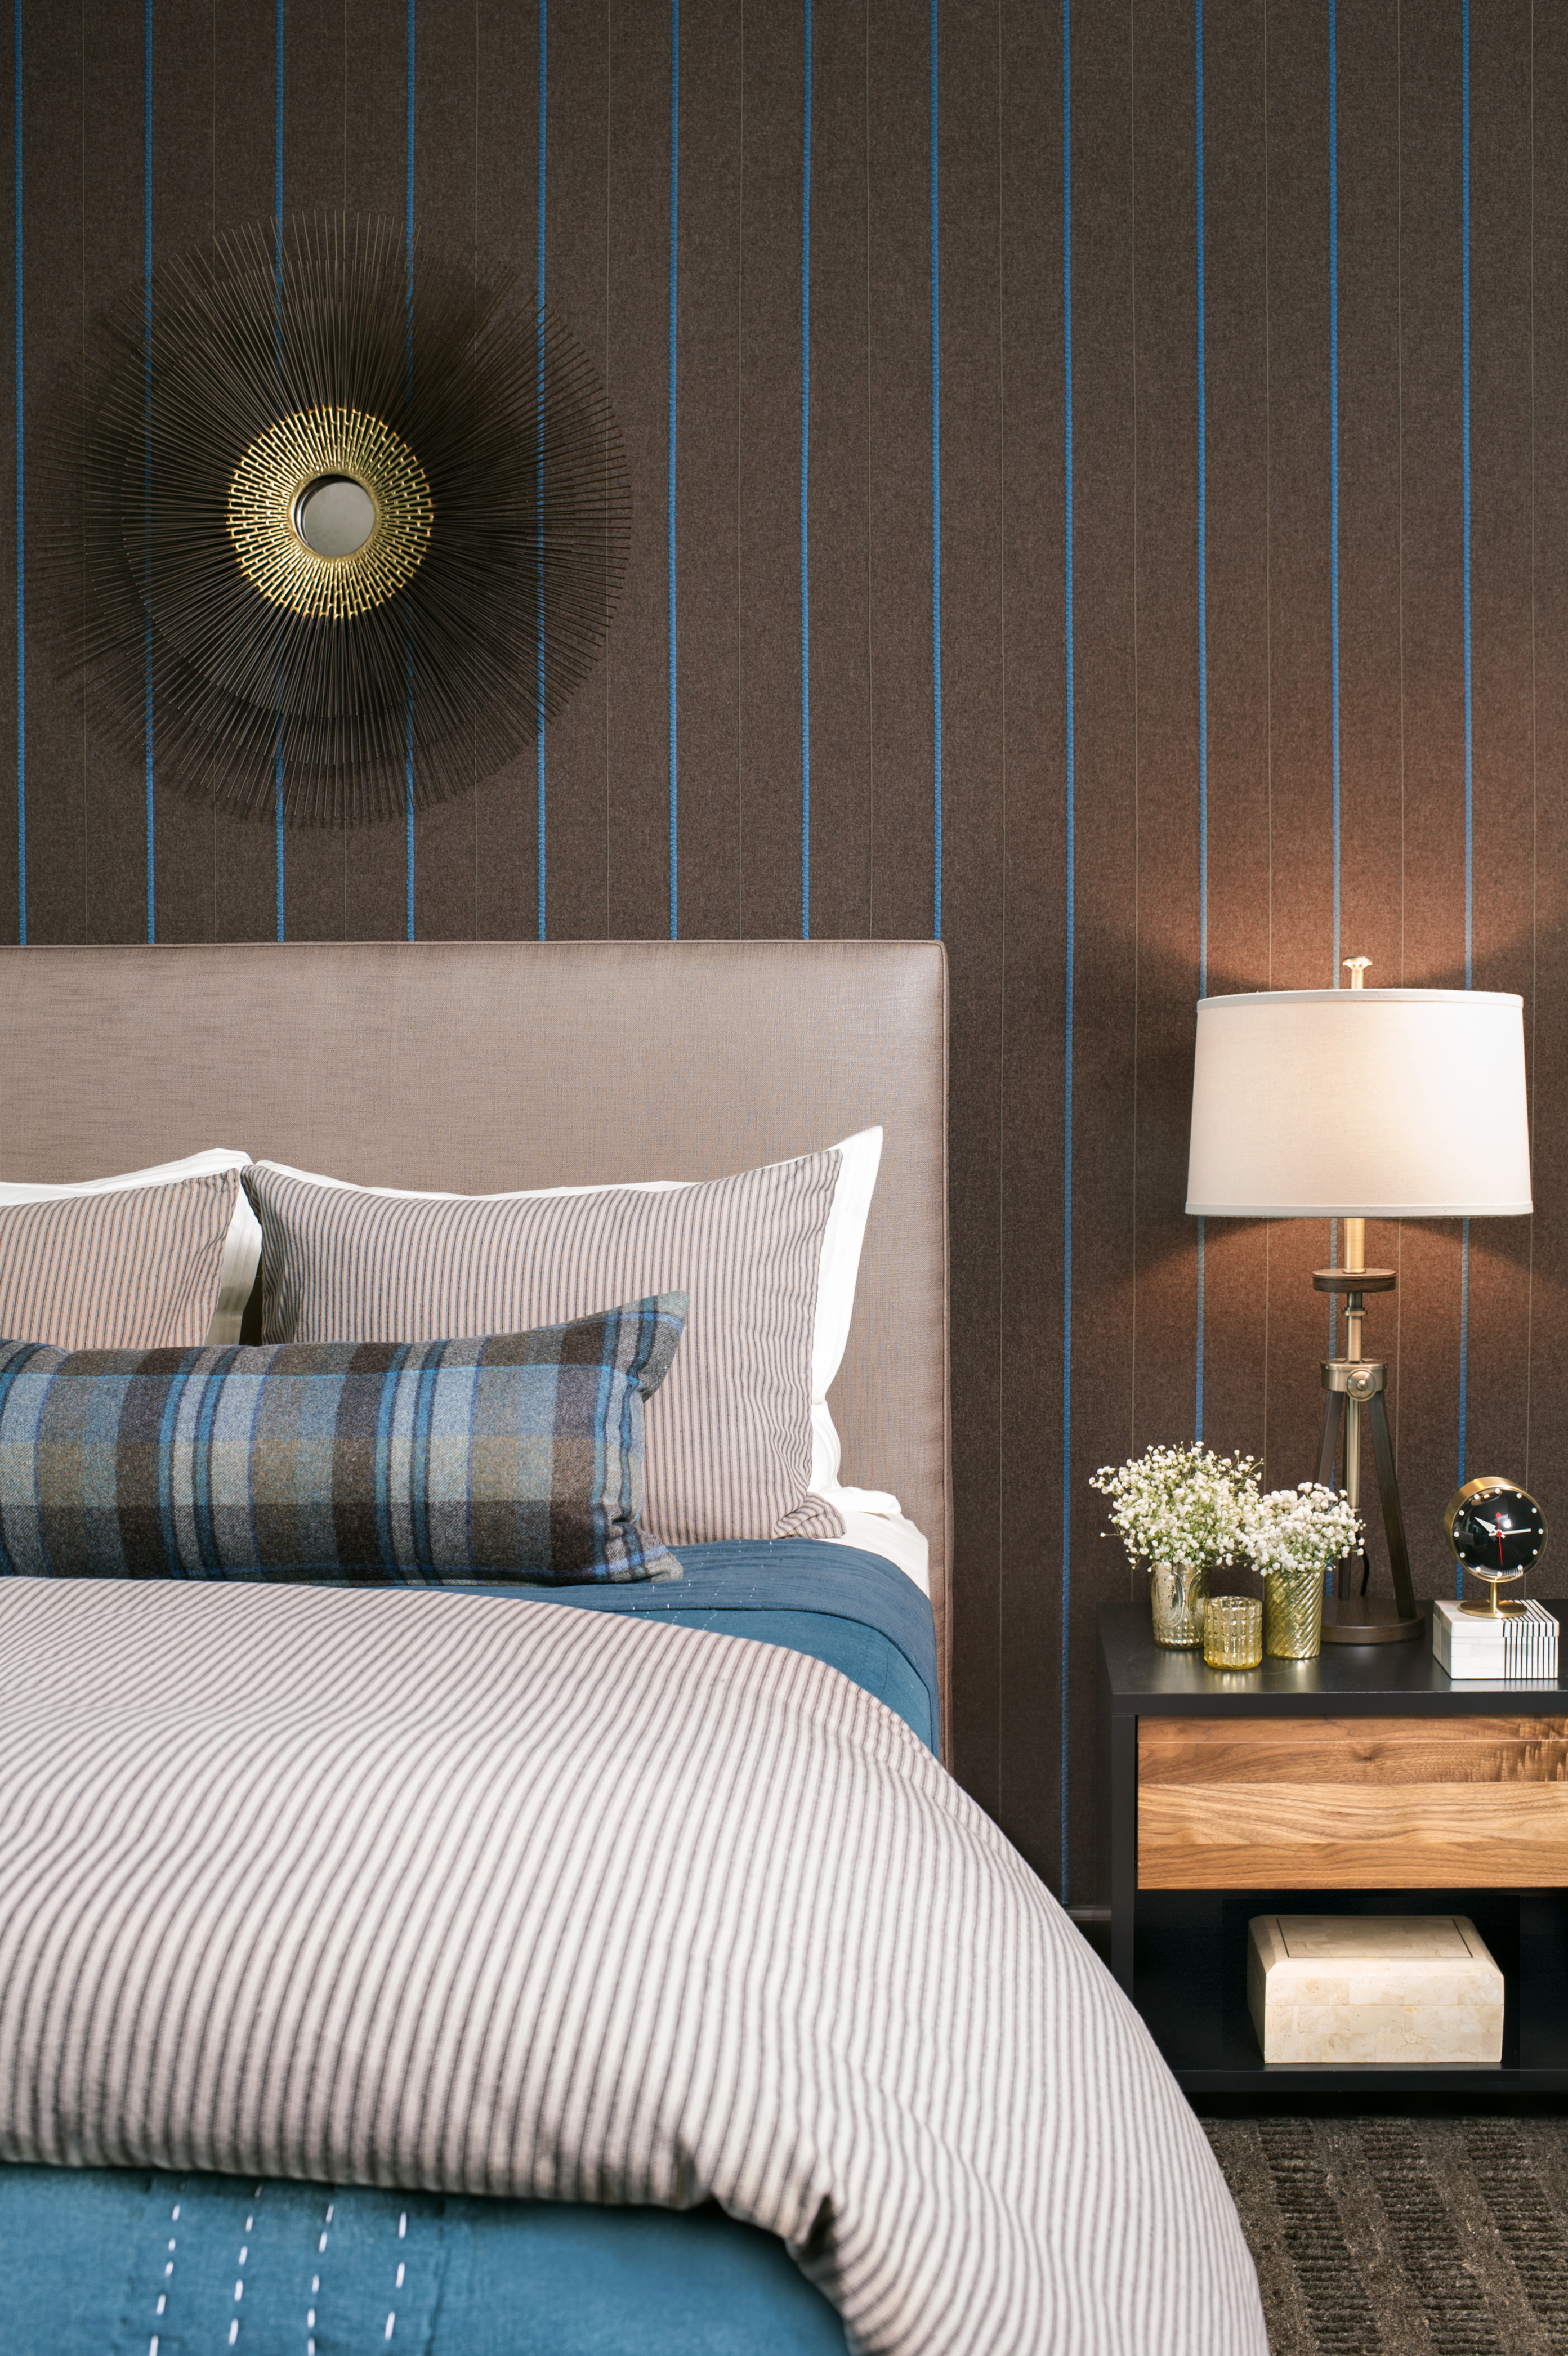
x: 1334, y: 545
x: 1202, y: 661
x: 1466, y: 286
x: 670, y: 454
x: 408, y: 715
x: 1068, y: 1013
x: 277, y: 216
x: 147, y: 451
x: 805, y: 502
x: 21, y: 512
x: 1334, y: 447
x: 1469, y: 812
x: 936, y: 508
x: 538, y: 462
x: 1202, y: 536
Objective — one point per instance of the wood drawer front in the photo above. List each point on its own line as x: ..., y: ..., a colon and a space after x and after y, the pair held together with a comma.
x: 1352, y: 1802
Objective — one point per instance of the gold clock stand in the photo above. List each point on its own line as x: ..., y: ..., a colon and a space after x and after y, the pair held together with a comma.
x: 1496, y: 1607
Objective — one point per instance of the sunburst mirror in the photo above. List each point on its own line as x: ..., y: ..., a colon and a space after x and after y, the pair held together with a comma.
x: 355, y: 519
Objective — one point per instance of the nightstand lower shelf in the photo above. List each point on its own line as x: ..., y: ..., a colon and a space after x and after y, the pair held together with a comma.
x: 1189, y: 1982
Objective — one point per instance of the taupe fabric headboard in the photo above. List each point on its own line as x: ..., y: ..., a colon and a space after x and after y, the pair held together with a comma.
x: 477, y: 1067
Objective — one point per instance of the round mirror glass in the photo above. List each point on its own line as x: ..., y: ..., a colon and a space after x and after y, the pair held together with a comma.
x: 335, y: 515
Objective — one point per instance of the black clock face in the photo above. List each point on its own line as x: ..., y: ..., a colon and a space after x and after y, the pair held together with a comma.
x: 1503, y: 1529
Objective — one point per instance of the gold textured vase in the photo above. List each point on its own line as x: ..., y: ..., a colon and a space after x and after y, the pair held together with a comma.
x: 1177, y: 1592
x: 1293, y: 1615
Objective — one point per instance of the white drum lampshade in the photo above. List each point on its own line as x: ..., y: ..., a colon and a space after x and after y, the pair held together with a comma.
x: 1377, y: 1103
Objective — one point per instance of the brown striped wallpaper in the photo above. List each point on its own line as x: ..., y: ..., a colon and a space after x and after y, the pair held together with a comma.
x: 1383, y: 244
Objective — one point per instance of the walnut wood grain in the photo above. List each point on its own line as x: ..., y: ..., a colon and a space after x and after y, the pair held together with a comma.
x: 1352, y: 1802
x: 1205, y: 1752
x: 1347, y: 1835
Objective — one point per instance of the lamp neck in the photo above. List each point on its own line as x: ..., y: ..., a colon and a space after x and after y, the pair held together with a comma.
x: 1354, y: 1229
x: 1355, y: 1260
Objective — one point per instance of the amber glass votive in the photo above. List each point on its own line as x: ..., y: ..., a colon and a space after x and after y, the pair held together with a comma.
x: 1233, y: 1631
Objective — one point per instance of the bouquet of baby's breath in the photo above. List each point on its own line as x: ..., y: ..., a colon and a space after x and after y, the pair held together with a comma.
x: 1181, y: 1505
x: 1304, y: 1529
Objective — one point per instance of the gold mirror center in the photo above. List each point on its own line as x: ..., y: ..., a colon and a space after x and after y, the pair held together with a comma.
x: 330, y: 512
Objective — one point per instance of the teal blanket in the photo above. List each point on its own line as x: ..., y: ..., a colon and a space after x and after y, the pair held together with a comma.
x: 854, y: 1610
x: 105, y: 2262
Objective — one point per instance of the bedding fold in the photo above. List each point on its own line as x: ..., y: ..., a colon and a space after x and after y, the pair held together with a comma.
x: 489, y: 1895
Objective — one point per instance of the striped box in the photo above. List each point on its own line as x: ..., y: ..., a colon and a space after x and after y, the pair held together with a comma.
x: 1520, y: 1644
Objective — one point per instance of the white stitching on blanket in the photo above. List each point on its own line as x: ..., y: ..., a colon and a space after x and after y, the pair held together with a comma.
x: 163, y: 2294
x: 240, y: 2285
x: 316, y: 2286
x: 402, y: 2235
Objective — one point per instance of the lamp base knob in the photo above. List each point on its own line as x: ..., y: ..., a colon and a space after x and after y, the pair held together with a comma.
x: 1353, y: 1280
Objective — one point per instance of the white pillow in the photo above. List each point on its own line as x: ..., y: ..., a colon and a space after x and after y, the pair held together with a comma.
x: 242, y: 1252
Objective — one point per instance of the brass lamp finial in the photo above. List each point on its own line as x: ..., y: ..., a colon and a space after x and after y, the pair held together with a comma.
x: 1358, y: 971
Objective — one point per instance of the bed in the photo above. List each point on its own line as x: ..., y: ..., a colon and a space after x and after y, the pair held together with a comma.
x: 915, y: 2113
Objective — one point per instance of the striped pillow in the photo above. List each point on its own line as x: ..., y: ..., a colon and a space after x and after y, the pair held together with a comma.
x: 129, y: 1263
x: 730, y: 1435
x: 510, y: 1455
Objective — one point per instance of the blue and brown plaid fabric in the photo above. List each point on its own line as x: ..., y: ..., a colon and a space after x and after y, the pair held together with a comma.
x: 497, y: 1457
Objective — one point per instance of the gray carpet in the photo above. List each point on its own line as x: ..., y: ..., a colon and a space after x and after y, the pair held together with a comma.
x: 1405, y: 2237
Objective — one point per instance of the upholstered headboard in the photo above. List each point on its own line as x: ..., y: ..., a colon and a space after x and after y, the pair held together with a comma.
x: 477, y: 1067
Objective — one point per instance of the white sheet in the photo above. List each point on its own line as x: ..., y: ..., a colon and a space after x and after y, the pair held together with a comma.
x: 890, y: 1534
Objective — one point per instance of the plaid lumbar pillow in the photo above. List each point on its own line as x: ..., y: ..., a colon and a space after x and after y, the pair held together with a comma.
x: 497, y: 1457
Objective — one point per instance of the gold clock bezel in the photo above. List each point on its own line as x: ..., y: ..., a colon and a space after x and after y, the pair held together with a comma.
x: 1492, y: 1485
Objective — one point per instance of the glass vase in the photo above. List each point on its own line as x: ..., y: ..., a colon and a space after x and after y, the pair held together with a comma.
x: 1233, y: 1631
x: 1177, y: 1592
x: 1293, y: 1615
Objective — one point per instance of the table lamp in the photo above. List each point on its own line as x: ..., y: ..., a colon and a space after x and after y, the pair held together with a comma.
x: 1360, y: 1104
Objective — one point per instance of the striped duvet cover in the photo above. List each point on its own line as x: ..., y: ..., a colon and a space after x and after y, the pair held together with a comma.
x: 489, y: 1895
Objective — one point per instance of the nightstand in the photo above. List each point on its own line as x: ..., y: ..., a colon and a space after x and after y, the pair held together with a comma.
x: 1365, y: 1782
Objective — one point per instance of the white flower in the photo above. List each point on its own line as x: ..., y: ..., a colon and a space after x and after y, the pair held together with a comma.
x: 1180, y: 1505
x: 1304, y: 1529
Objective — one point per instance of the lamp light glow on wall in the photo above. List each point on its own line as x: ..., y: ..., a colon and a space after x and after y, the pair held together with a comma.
x: 1360, y: 1104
